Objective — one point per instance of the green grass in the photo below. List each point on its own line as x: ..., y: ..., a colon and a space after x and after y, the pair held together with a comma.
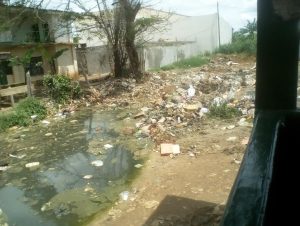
x: 223, y: 111
x: 246, y: 46
x: 191, y: 62
x: 21, y: 114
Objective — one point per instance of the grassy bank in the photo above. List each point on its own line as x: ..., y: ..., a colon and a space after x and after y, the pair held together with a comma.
x: 195, y: 61
x: 24, y: 113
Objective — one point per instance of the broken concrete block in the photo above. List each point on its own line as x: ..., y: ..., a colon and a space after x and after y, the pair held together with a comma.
x: 167, y: 149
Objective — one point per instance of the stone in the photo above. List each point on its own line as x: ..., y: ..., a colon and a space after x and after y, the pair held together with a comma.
x: 48, y: 134
x: 145, y: 130
x: 162, y: 120
x: 87, y: 177
x: 139, y: 115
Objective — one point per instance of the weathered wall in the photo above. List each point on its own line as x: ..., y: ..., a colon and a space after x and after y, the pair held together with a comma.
x: 93, y: 60
x: 159, y: 55
x: 67, y: 62
x: 183, y: 37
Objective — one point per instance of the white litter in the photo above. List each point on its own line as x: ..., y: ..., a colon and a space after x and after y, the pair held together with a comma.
x: 108, y: 146
x: 17, y: 156
x: 124, y: 195
x: 4, y: 168
x: 138, y: 166
x: 97, y: 163
x: 191, y: 91
x: 32, y: 164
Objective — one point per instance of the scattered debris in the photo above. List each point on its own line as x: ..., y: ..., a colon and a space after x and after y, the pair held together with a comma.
x: 4, y: 168
x: 108, y: 146
x: 87, y: 177
x: 167, y: 149
x: 191, y: 91
x: 124, y: 195
x: 45, y: 122
x: 138, y: 166
x: 32, y: 164
x: 97, y: 163
x: 231, y: 139
x: 48, y: 134
x: 151, y: 204
x: 17, y: 156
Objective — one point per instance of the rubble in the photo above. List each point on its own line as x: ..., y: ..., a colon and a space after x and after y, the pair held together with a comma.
x: 168, y: 149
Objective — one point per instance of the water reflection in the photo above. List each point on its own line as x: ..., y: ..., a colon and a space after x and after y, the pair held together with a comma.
x: 12, y: 205
x: 56, y: 193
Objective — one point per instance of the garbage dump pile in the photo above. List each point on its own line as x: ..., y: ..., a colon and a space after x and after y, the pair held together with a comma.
x: 172, y: 101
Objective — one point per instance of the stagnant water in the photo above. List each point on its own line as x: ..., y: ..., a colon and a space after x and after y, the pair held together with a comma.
x: 66, y: 188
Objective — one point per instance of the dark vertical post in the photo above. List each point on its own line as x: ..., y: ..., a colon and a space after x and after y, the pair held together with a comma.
x: 277, y: 60
x: 28, y: 81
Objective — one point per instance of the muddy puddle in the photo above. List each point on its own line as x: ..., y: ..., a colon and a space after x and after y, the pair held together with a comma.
x: 63, y: 172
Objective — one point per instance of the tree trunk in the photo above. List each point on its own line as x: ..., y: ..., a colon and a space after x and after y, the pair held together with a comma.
x: 118, y: 67
x: 133, y: 59
x: 130, y: 11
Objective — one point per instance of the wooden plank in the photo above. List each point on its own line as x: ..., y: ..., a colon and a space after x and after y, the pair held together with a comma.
x: 14, y: 90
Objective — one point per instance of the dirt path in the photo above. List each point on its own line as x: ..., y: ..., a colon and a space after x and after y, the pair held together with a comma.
x: 191, y: 188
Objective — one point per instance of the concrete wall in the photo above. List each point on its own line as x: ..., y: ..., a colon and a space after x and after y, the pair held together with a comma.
x: 182, y: 37
x: 156, y: 56
x: 67, y: 62
x: 93, y: 60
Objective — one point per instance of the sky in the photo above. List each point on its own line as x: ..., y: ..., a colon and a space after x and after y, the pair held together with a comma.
x: 235, y: 12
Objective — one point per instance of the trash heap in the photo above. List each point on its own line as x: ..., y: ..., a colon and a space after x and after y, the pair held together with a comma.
x: 169, y: 102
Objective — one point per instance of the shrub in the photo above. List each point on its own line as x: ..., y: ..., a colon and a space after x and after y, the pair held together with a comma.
x: 246, y: 45
x: 223, y: 111
x: 21, y: 114
x: 243, y: 40
x: 61, y: 88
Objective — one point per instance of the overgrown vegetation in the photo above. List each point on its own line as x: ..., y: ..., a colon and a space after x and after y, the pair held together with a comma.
x: 61, y: 88
x: 21, y: 114
x: 191, y: 62
x: 243, y: 41
x: 223, y: 111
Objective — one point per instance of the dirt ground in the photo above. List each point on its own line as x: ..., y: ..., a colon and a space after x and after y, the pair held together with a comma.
x: 191, y: 188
